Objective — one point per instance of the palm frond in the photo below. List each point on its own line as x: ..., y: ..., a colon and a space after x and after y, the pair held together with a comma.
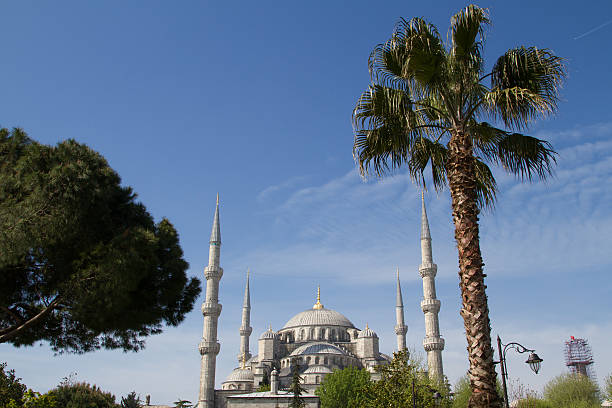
x: 426, y: 152
x: 387, y: 123
x: 467, y: 34
x: 525, y: 82
x: 411, y: 59
x: 525, y: 156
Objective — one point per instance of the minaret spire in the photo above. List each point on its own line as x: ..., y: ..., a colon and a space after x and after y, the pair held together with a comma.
x: 400, y: 328
x: 245, y: 327
x: 432, y: 343
x: 211, y: 309
x: 318, y: 305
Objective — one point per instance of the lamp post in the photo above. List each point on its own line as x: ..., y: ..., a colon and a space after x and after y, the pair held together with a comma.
x: 534, y: 362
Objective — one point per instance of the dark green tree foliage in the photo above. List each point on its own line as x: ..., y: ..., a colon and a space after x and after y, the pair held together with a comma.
x: 394, y: 389
x: 131, y: 401
x: 296, y: 387
x: 80, y: 395
x: 83, y: 265
x: 572, y: 391
x: 11, y: 387
x: 344, y: 388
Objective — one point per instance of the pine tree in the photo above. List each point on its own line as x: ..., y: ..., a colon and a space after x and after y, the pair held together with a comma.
x: 296, y: 387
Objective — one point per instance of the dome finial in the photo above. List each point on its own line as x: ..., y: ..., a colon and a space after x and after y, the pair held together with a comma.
x: 318, y: 305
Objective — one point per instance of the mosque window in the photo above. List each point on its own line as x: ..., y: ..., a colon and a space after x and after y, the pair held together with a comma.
x: 316, y: 360
x: 308, y: 360
x: 325, y: 360
x: 317, y: 379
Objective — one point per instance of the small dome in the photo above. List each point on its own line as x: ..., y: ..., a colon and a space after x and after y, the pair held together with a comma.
x: 318, y: 348
x: 268, y: 334
x: 367, y: 332
x: 240, y: 374
x: 318, y: 369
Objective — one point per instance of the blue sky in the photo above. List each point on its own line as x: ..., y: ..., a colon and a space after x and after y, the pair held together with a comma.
x: 253, y: 100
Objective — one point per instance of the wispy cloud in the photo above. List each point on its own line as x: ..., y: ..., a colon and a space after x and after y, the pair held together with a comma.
x: 346, y: 227
x: 292, y: 182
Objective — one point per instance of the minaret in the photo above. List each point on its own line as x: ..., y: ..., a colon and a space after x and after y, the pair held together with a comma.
x: 432, y: 342
x: 245, y: 327
x: 400, y: 327
x: 211, y: 309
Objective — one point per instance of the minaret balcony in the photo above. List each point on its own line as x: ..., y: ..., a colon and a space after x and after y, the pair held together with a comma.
x: 430, y: 305
x: 213, y: 272
x: 433, y: 343
x: 246, y: 331
x: 428, y: 269
x: 401, y: 329
x: 211, y: 309
x: 209, y: 347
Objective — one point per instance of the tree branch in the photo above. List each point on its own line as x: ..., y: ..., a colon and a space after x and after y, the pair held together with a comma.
x: 13, y: 314
x: 10, y: 332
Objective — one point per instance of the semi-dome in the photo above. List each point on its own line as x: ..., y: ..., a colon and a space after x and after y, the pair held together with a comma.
x: 318, y: 348
x: 240, y: 374
x: 318, y: 317
x: 318, y: 369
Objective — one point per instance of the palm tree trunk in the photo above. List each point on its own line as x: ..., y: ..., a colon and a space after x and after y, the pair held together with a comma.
x: 475, y: 311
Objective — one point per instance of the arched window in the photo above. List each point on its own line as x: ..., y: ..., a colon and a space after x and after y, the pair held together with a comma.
x: 317, y: 379
x: 302, y: 334
x: 325, y: 361
x: 311, y: 334
x: 316, y: 360
x: 308, y: 360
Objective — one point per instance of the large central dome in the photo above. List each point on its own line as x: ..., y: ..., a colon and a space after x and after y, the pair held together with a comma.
x: 318, y: 317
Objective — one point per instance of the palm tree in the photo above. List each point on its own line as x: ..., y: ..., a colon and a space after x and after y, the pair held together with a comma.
x: 428, y: 105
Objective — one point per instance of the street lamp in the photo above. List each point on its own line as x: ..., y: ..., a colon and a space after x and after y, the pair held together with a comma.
x: 534, y: 362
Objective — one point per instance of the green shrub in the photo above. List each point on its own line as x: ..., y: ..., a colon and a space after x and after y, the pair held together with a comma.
x: 343, y: 388
x: 533, y: 402
x: 572, y: 391
x: 608, y: 389
x: 82, y: 395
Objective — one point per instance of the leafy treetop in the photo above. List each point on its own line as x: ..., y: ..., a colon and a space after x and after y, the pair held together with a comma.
x: 83, y: 265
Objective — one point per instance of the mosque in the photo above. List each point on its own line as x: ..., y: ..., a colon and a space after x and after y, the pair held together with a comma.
x: 318, y: 340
